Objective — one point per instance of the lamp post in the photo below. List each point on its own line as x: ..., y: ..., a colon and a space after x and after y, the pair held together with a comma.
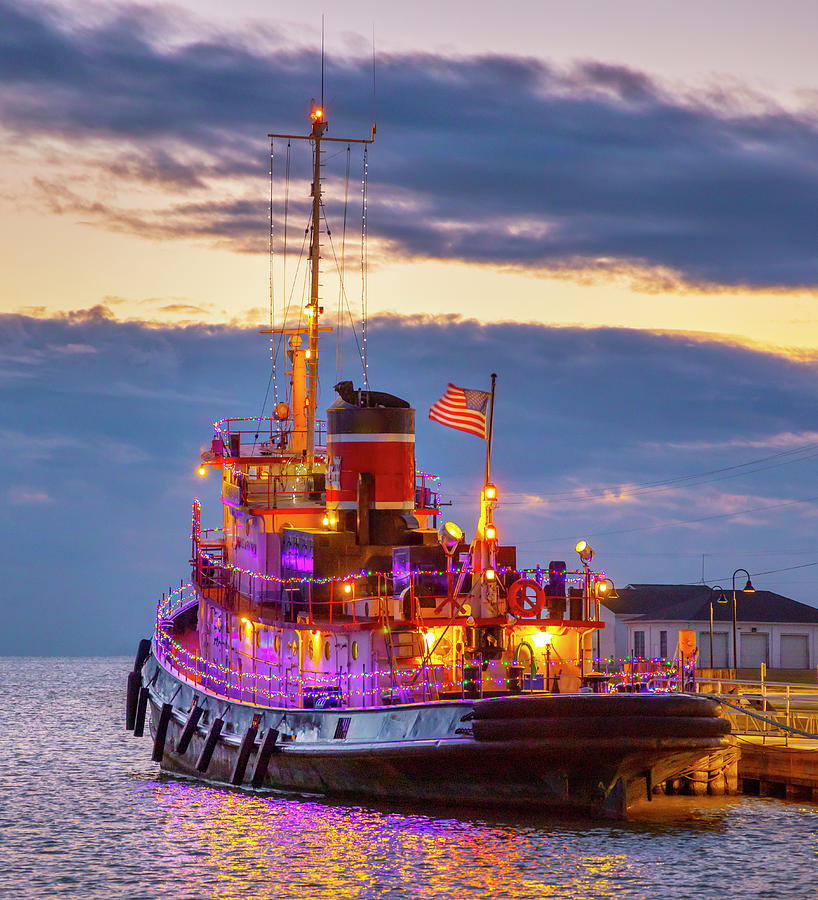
x: 721, y: 599
x: 747, y: 589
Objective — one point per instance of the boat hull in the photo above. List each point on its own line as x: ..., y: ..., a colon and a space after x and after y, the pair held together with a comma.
x: 422, y: 752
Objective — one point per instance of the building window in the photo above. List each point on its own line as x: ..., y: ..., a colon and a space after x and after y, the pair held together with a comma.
x: 663, y: 644
x: 639, y: 644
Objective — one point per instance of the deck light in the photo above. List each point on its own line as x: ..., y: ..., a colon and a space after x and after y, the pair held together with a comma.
x: 347, y: 588
x: 491, y: 533
x: 202, y: 470
x: 541, y: 639
x: 606, y: 588
x: 491, y: 492
x: 490, y: 574
x: 586, y: 554
x: 429, y: 637
x: 325, y: 521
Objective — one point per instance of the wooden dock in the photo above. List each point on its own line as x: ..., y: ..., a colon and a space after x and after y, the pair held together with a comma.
x: 779, y: 767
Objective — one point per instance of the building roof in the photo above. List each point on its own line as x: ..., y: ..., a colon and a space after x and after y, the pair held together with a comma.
x: 691, y: 602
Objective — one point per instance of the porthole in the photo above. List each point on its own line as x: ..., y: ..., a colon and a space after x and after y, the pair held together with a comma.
x: 327, y: 649
x: 354, y: 649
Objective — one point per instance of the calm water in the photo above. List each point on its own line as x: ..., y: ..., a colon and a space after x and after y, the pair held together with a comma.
x: 84, y: 813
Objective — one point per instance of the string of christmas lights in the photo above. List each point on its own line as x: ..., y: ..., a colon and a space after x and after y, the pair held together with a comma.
x: 341, y: 579
x: 196, y: 668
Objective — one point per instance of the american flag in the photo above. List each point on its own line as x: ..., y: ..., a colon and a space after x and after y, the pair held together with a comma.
x: 463, y: 409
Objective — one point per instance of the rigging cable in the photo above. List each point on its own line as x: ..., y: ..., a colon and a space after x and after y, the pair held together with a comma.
x: 674, y: 523
x: 271, y: 379
x: 364, y: 261
x: 658, y: 486
x: 341, y: 292
x: 343, y: 289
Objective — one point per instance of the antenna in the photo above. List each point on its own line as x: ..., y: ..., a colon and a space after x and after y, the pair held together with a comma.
x: 374, y: 100
x: 322, y: 61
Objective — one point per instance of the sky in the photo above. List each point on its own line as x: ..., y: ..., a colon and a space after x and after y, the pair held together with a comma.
x: 610, y: 205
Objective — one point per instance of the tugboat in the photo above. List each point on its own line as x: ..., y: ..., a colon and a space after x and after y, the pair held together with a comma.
x: 336, y: 639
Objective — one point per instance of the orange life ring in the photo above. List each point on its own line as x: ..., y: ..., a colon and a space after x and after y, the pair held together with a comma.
x: 520, y: 602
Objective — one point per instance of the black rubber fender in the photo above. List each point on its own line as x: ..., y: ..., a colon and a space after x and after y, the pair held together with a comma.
x: 248, y: 744
x: 143, y: 651
x: 599, y: 726
x: 161, y: 732
x: 189, y: 730
x: 268, y: 746
x: 211, y: 740
x: 141, y: 709
x: 131, y: 697
x: 604, y: 705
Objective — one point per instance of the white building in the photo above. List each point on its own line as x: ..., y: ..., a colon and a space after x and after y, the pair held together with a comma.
x: 645, y: 621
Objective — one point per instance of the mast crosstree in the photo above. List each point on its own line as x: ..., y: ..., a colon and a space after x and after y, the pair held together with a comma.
x: 312, y: 310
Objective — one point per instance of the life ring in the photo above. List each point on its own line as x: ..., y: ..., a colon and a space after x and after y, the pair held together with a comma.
x: 521, y: 603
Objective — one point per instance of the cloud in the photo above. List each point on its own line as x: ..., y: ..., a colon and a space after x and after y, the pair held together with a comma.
x: 492, y: 159
x: 22, y: 496
x: 592, y: 431
x: 72, y: 348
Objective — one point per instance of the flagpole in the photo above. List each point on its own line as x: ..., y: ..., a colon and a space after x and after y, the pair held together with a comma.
x: 490, y: 428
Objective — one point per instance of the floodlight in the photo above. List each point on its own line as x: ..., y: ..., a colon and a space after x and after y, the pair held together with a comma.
x: 586, y: 553
x: 450, y: 536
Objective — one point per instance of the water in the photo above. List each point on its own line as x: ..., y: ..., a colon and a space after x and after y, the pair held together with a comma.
x: 84, y: 813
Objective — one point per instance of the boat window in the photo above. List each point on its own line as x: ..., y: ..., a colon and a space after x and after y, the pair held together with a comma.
x: 327, y: 649
x: 354, y: 649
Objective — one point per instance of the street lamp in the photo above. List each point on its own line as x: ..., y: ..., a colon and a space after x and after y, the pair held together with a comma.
x: 721, y: 599
x: 747, y: 589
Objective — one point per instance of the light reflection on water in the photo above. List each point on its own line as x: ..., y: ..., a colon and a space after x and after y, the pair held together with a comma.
x: 87, y: 815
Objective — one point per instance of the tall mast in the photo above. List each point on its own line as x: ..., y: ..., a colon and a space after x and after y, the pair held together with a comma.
x: 313, y: 310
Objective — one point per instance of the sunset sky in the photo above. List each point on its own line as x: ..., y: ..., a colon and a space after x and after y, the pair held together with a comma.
x: 612, y: 205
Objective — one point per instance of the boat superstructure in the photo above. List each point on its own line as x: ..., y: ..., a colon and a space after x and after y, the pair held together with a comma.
x: 336, y: 636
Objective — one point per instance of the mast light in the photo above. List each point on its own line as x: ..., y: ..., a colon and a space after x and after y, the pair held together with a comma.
x: 202, y: 471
